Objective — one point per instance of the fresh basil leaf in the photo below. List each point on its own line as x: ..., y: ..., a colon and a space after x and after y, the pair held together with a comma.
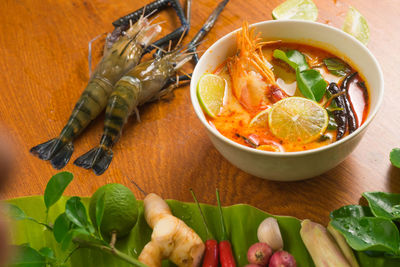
x: 395, y: 157
x: 369, y: 233
x: 55, y: 187
x: 292, y: 57
x: 76, y: 212
x: 67, y: 241
x: 337, y: 67
x: 384, y: 205
x: 355, y: 211
x: 311, y: 84
x: 48, y: 253
x: 61, y: 227
x: 28, y: 257
x: 100, y: 211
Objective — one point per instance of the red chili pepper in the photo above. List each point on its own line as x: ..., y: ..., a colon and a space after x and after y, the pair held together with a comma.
x: 211, y: 256
x: 225, y: 250
x: 226, y: 254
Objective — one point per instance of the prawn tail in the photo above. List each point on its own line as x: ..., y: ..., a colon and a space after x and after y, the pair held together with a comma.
x: 97, y: 159
x: 62, y: 157
x: 103, y: 162
x: 55, y: 150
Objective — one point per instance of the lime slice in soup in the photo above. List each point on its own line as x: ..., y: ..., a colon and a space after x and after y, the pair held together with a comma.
x: 296, y: 9
x: 297, y: 120
x: 260, y: 120
x: 356, y: 25
x: 210, y: 92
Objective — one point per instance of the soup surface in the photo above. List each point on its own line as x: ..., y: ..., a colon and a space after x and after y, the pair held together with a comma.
x: 251, y: 93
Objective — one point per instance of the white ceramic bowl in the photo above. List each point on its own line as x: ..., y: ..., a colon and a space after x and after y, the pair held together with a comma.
x: 292, y: 166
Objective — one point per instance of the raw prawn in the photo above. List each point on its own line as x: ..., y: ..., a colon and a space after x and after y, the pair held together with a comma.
x: 144, y: 83
x: 253, y: 82
x: 122, y: 51
x: 140, y: 85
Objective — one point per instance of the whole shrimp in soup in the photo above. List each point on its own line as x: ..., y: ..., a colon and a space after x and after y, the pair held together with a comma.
x: 253, y: 83
x: 142, y: 84
x: 122, y: 52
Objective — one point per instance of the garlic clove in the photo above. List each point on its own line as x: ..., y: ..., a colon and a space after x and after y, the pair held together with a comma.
x: 269, y: 232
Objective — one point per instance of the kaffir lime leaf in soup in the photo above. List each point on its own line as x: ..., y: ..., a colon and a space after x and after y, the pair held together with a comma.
x: 296, y: 9
x: 120, y: 209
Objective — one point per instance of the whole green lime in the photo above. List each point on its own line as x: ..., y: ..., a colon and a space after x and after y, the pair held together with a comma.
x: 120, y: 209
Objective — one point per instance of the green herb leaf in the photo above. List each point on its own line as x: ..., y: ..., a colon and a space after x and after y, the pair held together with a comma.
x: 311, y: 84
x: 47, y: 253
x: 16, y: 213
x: 395, y: 157
x: 292, y: 57
x: 100, y: 211
x: 55, y: 188
x: 28, y: 257
x: 384, y: 205
x: 337, y: 66
x: 355, y: 211
x: 369, y: 233
x: 61, y: 227
x: 76, y: 212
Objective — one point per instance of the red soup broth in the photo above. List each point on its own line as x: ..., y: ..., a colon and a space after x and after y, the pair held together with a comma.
x: 233, y: 119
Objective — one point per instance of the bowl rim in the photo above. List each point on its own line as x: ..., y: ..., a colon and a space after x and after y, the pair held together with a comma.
x: 372, y: 113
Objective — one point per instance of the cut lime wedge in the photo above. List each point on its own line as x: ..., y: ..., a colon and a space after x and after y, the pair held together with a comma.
x: 210, y: 92
x: 296, y: 9
x: 355, y: 24
x: 297, y: 120
x: 260, y: 120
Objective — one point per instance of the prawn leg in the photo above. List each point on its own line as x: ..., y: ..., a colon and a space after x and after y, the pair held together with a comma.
x: 207, y: 26
x: 160, y: 5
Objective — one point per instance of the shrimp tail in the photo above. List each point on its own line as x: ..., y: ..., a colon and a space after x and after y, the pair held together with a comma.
x: 97, y: 159
x: 62, y: 157
x: 55, y: 150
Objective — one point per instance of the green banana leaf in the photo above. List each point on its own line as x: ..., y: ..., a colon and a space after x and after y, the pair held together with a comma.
x: 241, y: 221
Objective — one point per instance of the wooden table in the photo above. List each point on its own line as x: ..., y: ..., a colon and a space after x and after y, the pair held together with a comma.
x: 43, y: 47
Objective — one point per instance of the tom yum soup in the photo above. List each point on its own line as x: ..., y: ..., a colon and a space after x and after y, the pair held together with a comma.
x: 280, y: 96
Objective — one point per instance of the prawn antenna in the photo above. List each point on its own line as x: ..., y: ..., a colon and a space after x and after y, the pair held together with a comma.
x: 186, y: 74
x: 169, y: 46
x: 181, y: 38
x: 90, y: 51
x: 138, y: 187
x: 159, y: 48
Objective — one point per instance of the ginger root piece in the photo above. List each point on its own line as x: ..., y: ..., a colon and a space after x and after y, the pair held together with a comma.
x: 171, y: 239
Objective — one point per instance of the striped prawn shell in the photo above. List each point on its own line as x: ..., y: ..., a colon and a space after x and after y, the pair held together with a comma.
x: 123, y: 100
x: 94, y: 98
